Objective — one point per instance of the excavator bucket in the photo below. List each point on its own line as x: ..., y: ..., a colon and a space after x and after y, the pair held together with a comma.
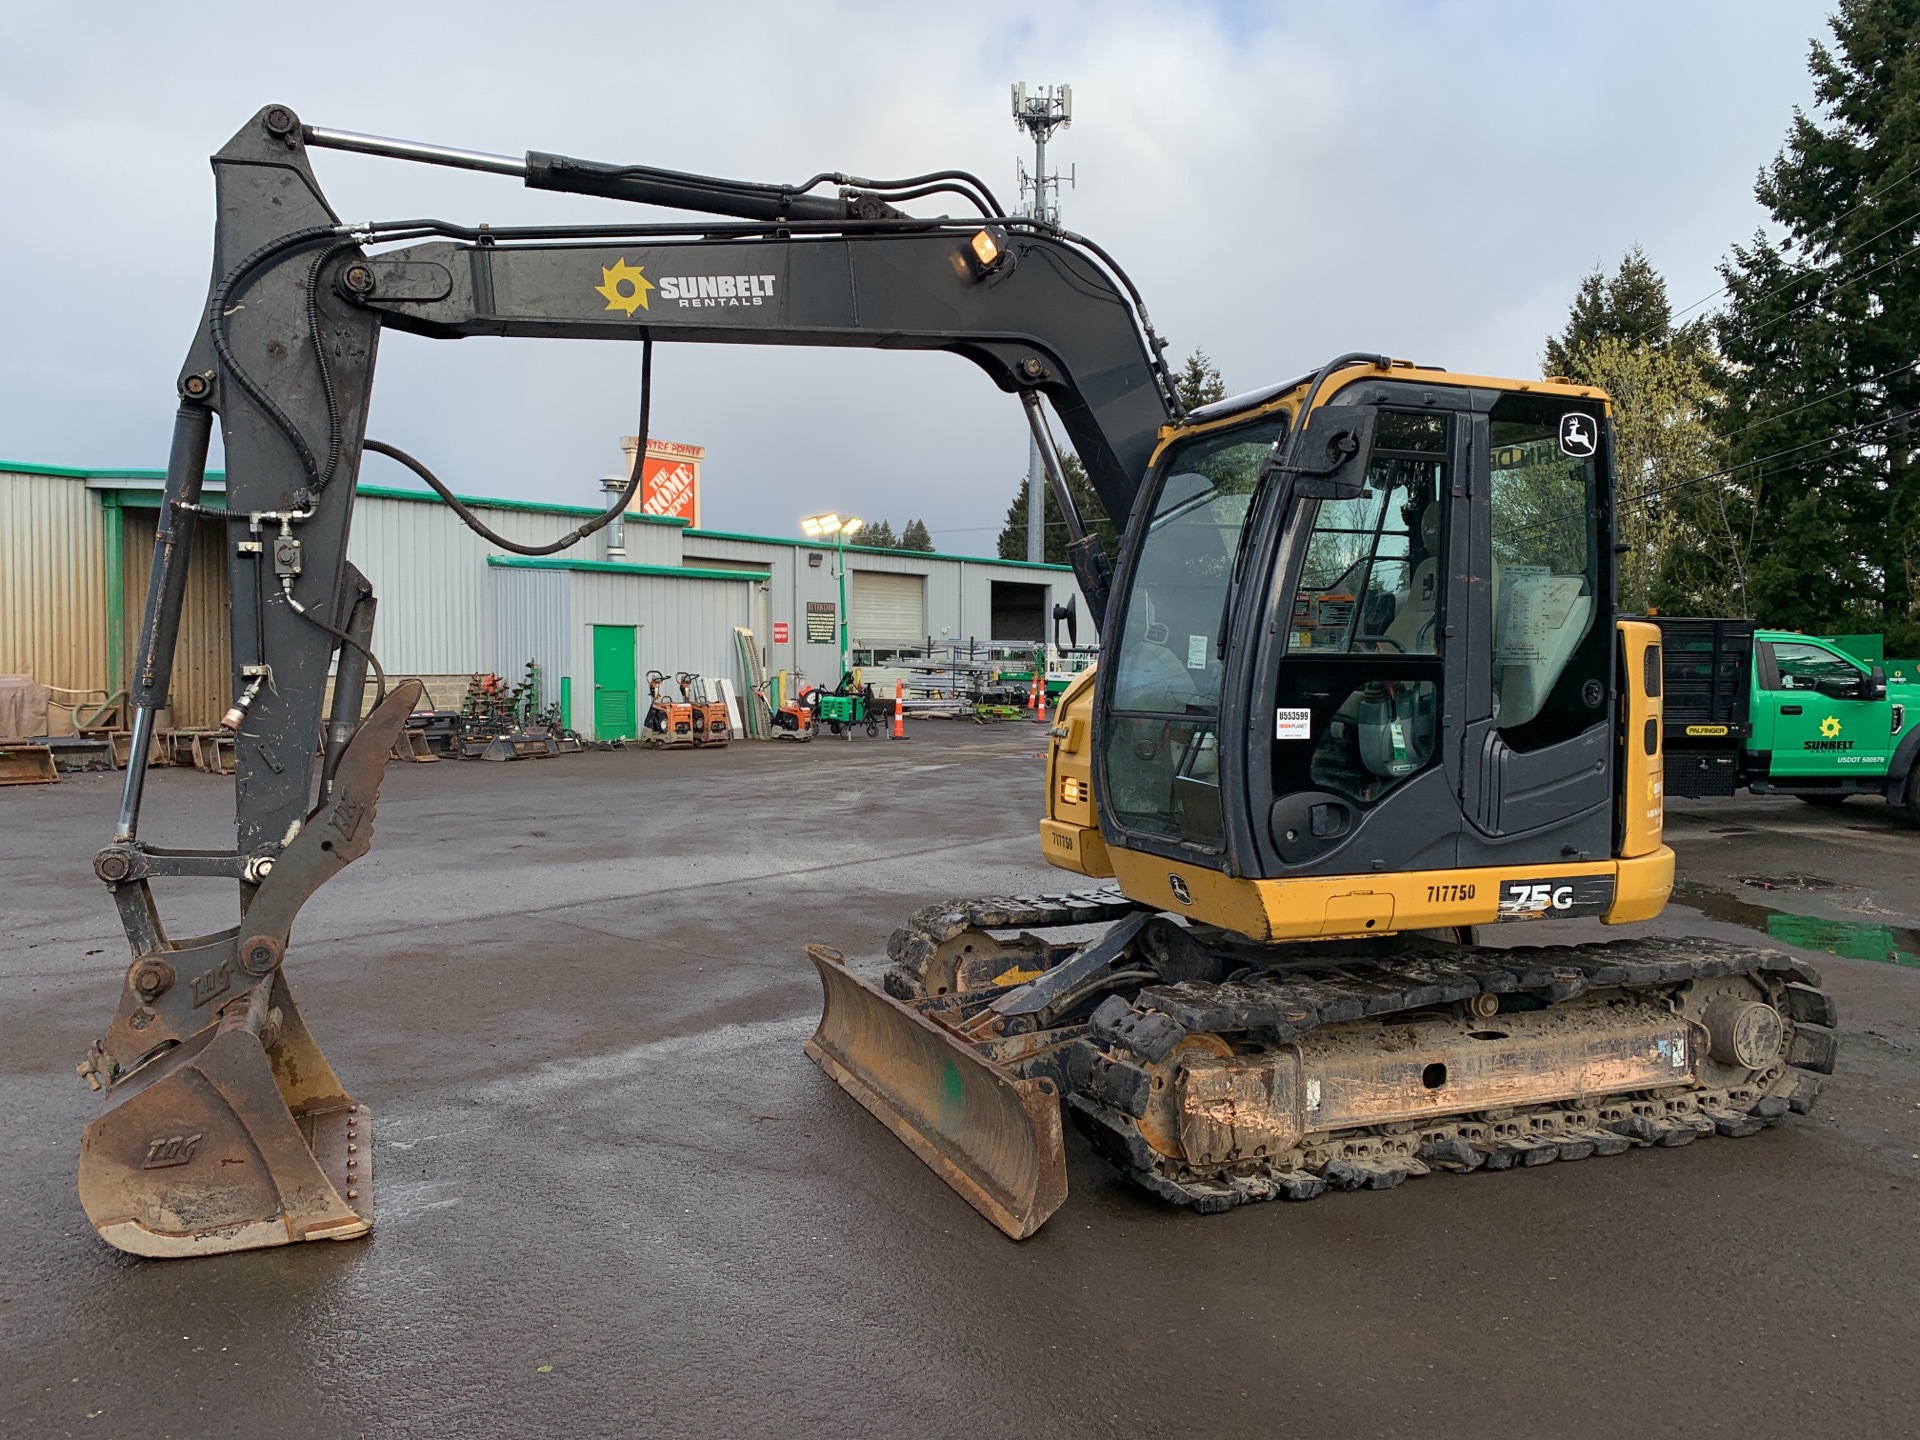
x: 225, y: 1127
x: 992, y: 1136
x: 240, y: 1138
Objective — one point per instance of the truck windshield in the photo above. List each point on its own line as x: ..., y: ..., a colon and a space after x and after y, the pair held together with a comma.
x: 1161, y: 750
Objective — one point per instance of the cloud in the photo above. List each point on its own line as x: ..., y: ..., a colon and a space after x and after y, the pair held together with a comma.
x: 1284, y: 182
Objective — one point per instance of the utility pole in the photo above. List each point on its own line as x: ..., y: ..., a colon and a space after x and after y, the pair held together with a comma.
x: 1040, y: 111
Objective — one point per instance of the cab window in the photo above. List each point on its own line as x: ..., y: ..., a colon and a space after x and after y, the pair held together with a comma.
x: 1802, y: 667
x: 1372, y: 578
x: 1550, y: 655
x: 1162, y: 750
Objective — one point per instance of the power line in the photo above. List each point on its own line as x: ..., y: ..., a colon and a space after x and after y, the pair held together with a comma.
x: 1763, y: 459
x: 1842, y: 390
x: 1814, y: 299
x: 1870, y: 195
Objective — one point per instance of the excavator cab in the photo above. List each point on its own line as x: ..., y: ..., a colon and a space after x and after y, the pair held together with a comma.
x: 1396, y: 667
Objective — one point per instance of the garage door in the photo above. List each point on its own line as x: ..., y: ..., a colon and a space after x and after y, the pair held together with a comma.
x: 888, y: 608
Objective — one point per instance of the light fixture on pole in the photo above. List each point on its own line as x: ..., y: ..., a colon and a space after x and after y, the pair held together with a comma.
x: 819, y: 527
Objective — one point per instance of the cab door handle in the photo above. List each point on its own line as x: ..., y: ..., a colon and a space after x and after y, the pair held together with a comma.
x: 1790, y: 709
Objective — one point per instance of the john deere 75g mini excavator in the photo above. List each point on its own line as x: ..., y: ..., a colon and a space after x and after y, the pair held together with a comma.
x: 1361, y: 692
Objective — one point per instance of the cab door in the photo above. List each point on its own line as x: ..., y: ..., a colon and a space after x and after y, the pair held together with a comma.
x: 1815, y: 732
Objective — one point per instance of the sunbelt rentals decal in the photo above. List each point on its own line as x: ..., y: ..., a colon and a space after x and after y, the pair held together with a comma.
x: 1829, y: 737
x: 626, y: 288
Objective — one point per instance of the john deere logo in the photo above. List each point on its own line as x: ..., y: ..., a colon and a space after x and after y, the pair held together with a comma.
x: 625, y: 286
x: 1180, y: 890
x: 1830, y: 727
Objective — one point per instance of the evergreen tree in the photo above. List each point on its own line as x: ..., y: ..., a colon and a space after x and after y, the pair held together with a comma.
x: 880, y: 536
x: 1682, y: 551
x: 1630, y: 305
x: 1093, y: 515
x: 914, y: 536
x: 1197, y: 383
x: 1819, y: 334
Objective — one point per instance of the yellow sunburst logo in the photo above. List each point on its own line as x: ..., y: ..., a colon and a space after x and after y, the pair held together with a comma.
x: 625, y: 286
x: 1830, y: 726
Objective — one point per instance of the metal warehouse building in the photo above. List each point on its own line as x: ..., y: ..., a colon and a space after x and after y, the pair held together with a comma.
x: 75, y: 546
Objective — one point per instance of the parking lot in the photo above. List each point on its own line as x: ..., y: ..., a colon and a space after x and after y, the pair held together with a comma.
x: 614, y: 1198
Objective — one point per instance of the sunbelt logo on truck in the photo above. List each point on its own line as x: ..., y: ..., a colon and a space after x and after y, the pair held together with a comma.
x: 1829, y: 736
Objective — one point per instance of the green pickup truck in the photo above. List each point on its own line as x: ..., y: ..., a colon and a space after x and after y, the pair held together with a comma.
x: 1784, y: 714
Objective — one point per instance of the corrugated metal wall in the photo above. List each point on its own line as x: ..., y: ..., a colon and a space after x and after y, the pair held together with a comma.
x: 202, y: 660
x: 53, y: 593
x: 430, y: 572
x: 683, y: 624
x: 530, y: 623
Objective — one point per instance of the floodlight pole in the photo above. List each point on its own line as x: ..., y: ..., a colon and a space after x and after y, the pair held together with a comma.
x: 1040, y: 112
x: 846, y: 622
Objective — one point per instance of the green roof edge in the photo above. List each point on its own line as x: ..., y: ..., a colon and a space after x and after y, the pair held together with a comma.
x: 872, y: 550
x: 614, y: 567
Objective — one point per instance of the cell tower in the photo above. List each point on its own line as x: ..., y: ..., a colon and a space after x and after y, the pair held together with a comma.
x: 1040, y: 111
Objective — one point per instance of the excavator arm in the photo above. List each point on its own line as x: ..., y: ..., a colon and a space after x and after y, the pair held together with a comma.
x: 225, y: 1127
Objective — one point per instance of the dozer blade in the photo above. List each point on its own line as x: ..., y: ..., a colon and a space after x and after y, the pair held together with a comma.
x: 992, y: 1136
x: 240, y: 1138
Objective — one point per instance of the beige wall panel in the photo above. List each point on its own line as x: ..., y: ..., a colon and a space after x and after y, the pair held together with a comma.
x: 53, y: 621
x: 202, y: 664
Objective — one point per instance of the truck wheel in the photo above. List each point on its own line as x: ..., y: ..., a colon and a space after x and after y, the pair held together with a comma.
x: 1913, y: 794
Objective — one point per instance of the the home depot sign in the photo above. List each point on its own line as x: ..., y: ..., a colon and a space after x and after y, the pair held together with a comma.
x: 670, y: 483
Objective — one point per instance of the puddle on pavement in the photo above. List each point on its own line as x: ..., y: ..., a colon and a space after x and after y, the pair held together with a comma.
x: 1852, y: 939
x: 1794, y: 882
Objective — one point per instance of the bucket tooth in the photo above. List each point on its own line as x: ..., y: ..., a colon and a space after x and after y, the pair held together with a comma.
x: 992, y: 1136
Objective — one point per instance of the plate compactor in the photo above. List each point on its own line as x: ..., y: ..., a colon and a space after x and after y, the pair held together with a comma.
x: 1362, y: 693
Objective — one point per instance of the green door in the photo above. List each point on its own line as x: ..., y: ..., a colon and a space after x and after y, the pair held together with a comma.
x: 613, y: 708
x: 1815, y: 734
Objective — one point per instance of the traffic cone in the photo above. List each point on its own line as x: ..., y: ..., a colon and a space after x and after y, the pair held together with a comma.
x: 1040, y: 718
x: 1031, y: 686
x: 899, y: 709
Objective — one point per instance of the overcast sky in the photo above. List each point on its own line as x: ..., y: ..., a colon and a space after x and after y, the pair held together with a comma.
x: 1283, y: 181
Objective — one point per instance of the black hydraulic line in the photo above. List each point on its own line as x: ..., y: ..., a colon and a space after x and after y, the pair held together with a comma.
x: 327, y: 390
x: 976, y: 200
x: 601, y: 521
x: 964, y: 177
x: 345, y: 639
x: 217, y: 307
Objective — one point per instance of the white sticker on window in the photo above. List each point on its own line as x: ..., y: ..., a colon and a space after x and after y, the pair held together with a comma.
x: 1197, y: 647
x: 1293, y: 724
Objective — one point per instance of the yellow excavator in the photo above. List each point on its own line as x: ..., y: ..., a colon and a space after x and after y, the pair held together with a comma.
x: 1362, y: 692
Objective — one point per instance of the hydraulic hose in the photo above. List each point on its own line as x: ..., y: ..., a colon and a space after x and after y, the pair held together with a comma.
x: 606, y: 517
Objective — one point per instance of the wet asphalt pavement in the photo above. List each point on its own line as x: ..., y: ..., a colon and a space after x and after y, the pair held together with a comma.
x: 614, y: 1199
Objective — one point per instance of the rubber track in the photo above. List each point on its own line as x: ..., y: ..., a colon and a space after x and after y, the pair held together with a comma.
x: 1290, y: 1000
x: 1286, y: 1005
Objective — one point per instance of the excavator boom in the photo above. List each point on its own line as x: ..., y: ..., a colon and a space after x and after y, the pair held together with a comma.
x: 225, y: 1129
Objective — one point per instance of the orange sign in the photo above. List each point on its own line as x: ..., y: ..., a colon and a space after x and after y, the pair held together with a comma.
x: 670, y: 482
